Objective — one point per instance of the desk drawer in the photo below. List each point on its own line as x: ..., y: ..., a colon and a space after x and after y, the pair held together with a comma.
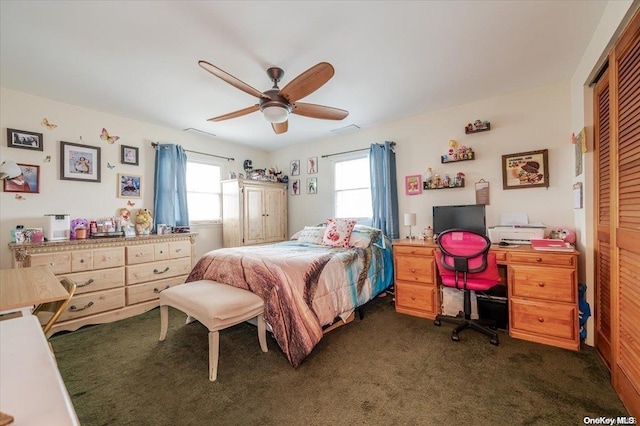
x: 97, y: 280
x: 551, y: 259
x: 413, y: 250
x: 158, y: 270
x: 414, y: 269
x: 415, y: 298
x: 93, y: 303
x: 149, y: 291
x: 543, y: 318
x: 555, y: 284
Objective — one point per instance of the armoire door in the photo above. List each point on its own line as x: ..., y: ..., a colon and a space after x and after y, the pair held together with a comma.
x: 602, y: 138
x: 275, y: 212
x: 253, y: 215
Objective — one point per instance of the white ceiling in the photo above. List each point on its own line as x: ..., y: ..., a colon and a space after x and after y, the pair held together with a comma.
x: 139, y: 59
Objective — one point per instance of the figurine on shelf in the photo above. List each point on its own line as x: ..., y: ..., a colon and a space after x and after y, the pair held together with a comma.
x: 459, y: 179
x: 469, y: 127
x: 144, y: 222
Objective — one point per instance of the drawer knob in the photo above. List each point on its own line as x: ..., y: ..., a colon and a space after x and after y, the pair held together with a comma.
x: 161, y: 251
x: 413, y: 298
x: 81, y: 260
x: 538, y: 259
x: 179, y: 250
x: 540, y: 319
x: 540, y: 284
x: 139, y: 254
x: 155, y: 271
x: 86, y: 283
x: 413, y: 270
x: 74, y: 308
x: 157, y: 290
x: 52, y: 264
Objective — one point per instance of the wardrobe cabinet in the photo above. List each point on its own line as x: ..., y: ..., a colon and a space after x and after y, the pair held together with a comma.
x: 253, y: 212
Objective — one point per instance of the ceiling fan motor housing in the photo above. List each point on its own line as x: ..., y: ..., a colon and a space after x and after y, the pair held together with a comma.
x: 275, y: 108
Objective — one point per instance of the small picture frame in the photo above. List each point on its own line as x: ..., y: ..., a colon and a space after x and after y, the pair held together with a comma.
x: 129, y: 230
x: 295, y: 168
x: 25, y: 140
x: 413, y: 184
x: 129, y: 186
x: 129, y: 155
x: 295, y: 187
x: 525, y: 170
x: 312, y: 185
x: 79, y: 162
x: 28, y: 182
x: 312, y: 165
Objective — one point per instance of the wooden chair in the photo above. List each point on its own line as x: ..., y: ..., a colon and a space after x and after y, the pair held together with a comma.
x: 56, y: 308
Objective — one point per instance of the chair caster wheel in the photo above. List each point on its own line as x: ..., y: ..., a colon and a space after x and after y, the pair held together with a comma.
x: 455, y: 337
x: 494, y: 341
x: 437, y: 322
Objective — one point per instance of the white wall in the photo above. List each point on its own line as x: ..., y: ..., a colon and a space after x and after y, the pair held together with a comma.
x: 525, y: 121
x: 87, y: 199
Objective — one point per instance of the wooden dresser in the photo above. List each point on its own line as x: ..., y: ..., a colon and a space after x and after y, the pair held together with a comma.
x: 116, y: 277
x: 542, y: 290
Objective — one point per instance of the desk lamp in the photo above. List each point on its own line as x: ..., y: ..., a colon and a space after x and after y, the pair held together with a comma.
x: 410, y: 220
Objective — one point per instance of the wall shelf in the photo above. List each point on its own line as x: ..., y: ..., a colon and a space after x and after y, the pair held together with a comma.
x: 475, y: 130
x: 443, y: 161
x: 427, y: 188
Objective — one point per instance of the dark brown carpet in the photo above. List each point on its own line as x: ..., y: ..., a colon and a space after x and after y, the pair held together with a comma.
x: 387, y: 369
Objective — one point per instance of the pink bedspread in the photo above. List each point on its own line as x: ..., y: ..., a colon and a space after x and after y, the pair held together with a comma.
x: 304, y: 287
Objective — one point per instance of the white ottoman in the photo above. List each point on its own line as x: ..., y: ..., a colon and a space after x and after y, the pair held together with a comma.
x: 217, y: 306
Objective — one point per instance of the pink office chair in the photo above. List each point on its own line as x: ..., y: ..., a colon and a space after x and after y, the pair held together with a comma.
x: 464, y: 262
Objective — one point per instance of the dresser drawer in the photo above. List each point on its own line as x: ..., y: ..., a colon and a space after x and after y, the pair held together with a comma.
x: 161, y: 251
x: 108, y: 258
x: 555, y: 284
x: 543, y: 318
x: 93, y: 303
x: 60, y: 263
x: 140, y: 254
x: 101, y: 279
x: 413, y: 250
x: 157, y: 270
x: 553, y: 259
x: 414, y: 269
x: 149, y: 291
x: 178, y: 249
x: 81, y: 260
x: 415, y: 297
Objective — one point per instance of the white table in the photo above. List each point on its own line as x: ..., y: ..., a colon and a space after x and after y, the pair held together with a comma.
x: 31, y: 388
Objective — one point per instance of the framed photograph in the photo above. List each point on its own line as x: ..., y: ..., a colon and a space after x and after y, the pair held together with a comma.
x: 23, y: 139
x: 295, y: 167
x: 312, y: 185
x: 79, y: 162
x: 312, y: 165
x: 129, y: 186
x: 413, y: 184
x: 129, y: 155
x: 525, y: 170
x: 28, y: 182
x: 295, y: 187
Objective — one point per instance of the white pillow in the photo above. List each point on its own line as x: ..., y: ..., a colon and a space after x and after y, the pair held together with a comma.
x: 311, y: 234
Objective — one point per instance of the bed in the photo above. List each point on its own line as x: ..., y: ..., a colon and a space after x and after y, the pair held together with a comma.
x: 306, y: 284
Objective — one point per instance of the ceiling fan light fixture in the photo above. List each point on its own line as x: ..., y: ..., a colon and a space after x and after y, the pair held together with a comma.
x: 275, y: 113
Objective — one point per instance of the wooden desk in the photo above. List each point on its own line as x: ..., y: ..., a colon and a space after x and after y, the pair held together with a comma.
x: 31, y: 389
x: 542, y: 288
x: 24, y: 287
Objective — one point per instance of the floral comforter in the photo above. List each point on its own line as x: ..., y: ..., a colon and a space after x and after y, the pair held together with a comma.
x: 304, y: 286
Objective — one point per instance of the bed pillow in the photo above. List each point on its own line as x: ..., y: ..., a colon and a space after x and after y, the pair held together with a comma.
x: 311, y: 234
x: 337, y: 232
x: 362, y: 236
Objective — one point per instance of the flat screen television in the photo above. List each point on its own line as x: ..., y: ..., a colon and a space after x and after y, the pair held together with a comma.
x: 471, y: 217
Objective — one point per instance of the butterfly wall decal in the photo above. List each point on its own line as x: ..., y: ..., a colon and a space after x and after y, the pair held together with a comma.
x: 47, y: 159
x: 111, y: 166
x: 46, y: 123
x: 20, y: 197
x: 106, y: 137
x: 130, y: 203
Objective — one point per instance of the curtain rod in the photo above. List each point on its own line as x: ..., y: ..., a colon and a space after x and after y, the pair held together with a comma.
x: 154, y: 144
x: 347, y: 152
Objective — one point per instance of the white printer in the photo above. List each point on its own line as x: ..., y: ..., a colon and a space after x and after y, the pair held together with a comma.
x: 515, y: 229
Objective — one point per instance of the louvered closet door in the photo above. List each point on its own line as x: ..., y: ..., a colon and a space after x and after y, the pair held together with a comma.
x: 625, y: 88
x: 602, y: 139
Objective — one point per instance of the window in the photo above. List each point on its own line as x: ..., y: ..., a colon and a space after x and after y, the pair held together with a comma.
x: 204, y: 191
x: 352, y: 186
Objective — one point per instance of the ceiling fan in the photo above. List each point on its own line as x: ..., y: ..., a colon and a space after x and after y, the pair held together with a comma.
x: 276, y: 104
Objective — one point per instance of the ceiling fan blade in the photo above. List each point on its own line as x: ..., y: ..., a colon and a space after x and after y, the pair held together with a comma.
x: 235, y: 114
x: 239, y: 84
x: 318, y: 111
x: 308, y: 82
x: 280, y: 127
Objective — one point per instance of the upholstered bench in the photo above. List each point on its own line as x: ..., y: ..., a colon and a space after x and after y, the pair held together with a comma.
x: 217, y: 306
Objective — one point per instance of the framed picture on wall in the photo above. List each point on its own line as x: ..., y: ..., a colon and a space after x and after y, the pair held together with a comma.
x: 295, y: 187
x: 79, y: 162
x: 129, y: 155
x: 413, y: 184
x: 312, y: 185
x: 525, y: 170
x: 25, y: 140
x: 129, y: 186
x: 295, y: 167
x: 28, y: 182
x: 312, y: 165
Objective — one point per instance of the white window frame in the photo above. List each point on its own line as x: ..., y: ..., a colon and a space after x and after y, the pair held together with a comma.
x: 342, y: 159
x: 210, y: 162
